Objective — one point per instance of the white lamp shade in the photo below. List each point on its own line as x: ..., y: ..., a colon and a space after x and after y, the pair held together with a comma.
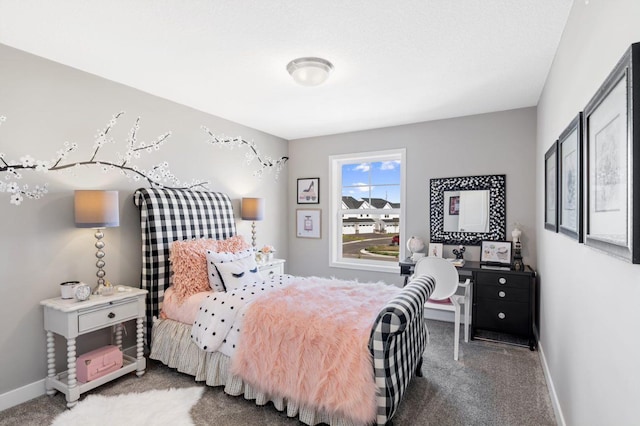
x: 252, y: 209
x: 96, y: 209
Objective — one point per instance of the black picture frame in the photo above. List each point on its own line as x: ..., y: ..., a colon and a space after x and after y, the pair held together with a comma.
x: 551, y: 188
x: 496, y: 253
x: 570, y: 194
x: 308, y: 191
x: 497, y: 187
x: 612, y: 155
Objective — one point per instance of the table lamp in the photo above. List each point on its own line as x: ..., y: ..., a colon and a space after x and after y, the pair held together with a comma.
x: 252, y: 209
x: 97, y: 209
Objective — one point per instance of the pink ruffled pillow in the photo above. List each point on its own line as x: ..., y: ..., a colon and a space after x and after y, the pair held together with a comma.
x: 189, y: 263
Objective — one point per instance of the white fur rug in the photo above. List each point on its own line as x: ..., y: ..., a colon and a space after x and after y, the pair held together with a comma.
x: 157, y: 407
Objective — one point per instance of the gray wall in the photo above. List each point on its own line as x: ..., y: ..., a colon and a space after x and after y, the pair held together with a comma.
x: 497, y: 143
x: 47, y: 104
x: 589, y: 301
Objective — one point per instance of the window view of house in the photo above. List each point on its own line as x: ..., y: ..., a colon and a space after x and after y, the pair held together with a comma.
x: 370, y: 209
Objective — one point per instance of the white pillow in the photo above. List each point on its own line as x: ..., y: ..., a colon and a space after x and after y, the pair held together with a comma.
x: 215, y: 281
x: 238, y: 273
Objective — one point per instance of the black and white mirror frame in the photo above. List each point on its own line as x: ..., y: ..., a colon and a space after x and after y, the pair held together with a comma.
x: 497, y: 187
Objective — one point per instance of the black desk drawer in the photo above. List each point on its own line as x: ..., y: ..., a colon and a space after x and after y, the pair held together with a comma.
x: 506, y: 317
x: 505, y: 279
x: 506, y: 293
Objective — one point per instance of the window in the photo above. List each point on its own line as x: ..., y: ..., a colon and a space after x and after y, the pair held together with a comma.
x: 367, y: 216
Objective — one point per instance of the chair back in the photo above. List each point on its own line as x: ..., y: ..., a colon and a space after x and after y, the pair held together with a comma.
x: 443, y: 271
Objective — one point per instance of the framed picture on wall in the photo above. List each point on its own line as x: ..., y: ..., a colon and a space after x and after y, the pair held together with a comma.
x: 454, y: 205
x: 612, y: 136
x: 309, y: 191
x: 551, y: 188
x: 308, y: 223
x: 570, y: 190
x: 495, y: 252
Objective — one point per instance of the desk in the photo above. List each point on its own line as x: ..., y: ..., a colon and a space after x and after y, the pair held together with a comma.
x: 504, y: 300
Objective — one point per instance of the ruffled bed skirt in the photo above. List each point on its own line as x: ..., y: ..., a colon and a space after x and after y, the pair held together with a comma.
x: 171, y: 344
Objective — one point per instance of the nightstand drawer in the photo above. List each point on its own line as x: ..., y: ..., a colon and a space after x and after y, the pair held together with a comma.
x: 502, y: 279
x: 506, y: 293
x: 271, y: 270
x: 506, y: 317
x: 108, y: 315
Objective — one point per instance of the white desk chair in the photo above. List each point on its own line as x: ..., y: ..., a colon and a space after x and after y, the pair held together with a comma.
x: 444, y: 297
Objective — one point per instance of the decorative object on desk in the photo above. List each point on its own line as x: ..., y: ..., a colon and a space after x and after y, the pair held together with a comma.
x: 67, y: 289
x: 308, y: 223
x: 495, y: 252
x: 414, y: 245
x: 252, y: 209
x: 435, y: 249
x: 309, y: 191
x: 612, y: 136
x: 518, y: 264
x: 551, y: 188
x: 267, y: 253
x: 459, y: 252
x: 98, y: 210
x: 82, y: 292
x: 570, y: 181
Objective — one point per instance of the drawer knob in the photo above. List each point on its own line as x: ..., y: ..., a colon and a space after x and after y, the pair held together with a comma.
x: 502, y: 294
x: 502, y: 280
x: 501, y: 315
x: 111, y: 315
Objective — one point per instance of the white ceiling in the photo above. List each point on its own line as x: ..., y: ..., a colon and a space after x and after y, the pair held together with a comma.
x: 396, y: 62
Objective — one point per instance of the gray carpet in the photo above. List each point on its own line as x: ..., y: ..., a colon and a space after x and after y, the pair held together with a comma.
x: 492, y: 384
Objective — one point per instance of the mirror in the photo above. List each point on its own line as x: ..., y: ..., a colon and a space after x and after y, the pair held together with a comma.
x: 467, y: 210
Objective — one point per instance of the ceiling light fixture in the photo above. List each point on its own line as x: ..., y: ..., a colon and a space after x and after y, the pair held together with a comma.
x: 309, y: 71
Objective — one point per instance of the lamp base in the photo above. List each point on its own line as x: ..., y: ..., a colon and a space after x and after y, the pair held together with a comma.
x: 100, y: 255
x: 253, y: 233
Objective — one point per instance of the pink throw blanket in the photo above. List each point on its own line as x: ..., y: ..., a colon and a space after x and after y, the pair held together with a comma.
x: 309, y: 343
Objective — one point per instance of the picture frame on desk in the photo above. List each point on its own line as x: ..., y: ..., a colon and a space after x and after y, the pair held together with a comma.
x: 612, y: 149
x: 496, y: 253
x: 435, y: 249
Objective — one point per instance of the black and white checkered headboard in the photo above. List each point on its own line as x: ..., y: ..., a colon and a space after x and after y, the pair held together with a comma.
x: 167, y: 215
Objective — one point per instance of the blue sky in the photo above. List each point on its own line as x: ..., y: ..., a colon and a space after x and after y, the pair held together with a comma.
x: 379, y: 179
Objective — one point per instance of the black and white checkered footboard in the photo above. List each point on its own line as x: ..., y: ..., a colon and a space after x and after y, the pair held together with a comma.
x: 397, y: 342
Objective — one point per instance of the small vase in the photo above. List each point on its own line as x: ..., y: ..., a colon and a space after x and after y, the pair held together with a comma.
x: 269, y: 257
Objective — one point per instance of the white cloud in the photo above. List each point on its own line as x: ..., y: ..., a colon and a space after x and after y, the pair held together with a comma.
x: 363, y: 167
x: 389, y: 165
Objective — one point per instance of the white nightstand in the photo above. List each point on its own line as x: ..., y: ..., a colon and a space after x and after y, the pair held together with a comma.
x: 274, y: 266
x: 71, y: 318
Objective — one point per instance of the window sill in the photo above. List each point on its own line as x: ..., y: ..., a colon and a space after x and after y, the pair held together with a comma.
x: 392, y: 268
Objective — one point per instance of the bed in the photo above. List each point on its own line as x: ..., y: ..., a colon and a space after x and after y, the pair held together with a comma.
x: 395, y: 344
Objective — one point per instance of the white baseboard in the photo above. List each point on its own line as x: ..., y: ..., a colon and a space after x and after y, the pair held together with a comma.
x: 557, y: 409
x: 23, y: 394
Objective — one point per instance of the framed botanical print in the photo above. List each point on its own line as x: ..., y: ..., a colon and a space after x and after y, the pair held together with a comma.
x: 570, y: 182
x: 551, y: 188
x: 612, y: 136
